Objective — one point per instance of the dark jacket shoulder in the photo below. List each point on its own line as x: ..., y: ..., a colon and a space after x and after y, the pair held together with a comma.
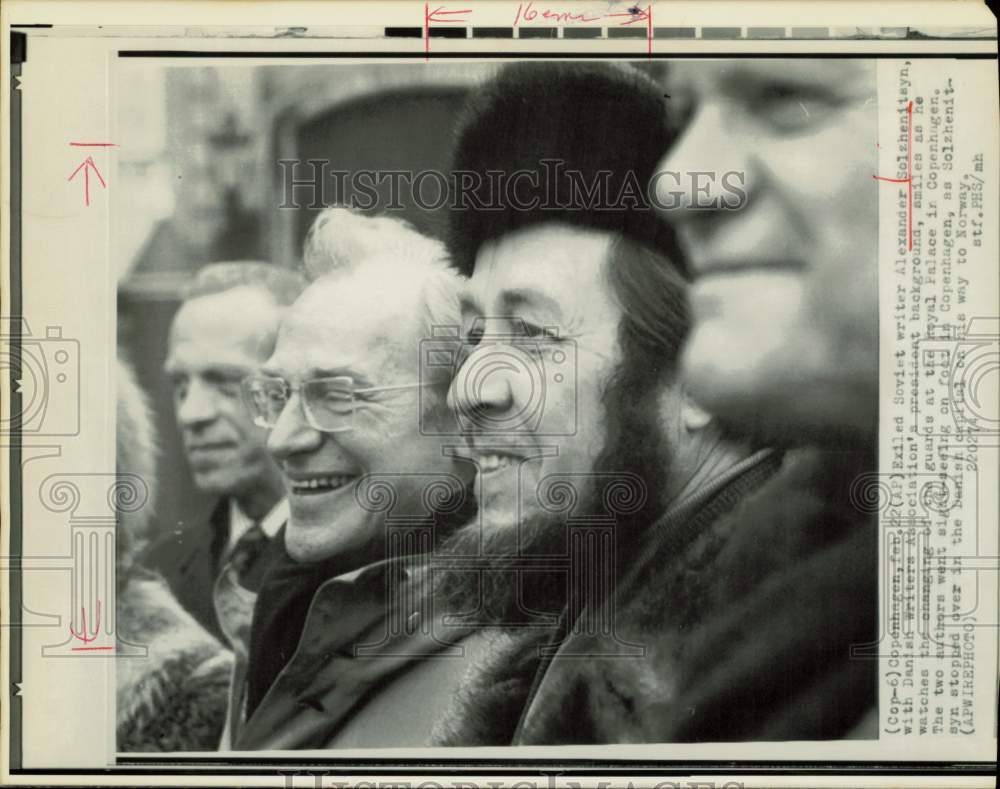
x: 747, y: 633
x: 188, y: 558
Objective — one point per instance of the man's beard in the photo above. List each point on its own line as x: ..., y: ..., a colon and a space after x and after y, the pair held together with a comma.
x: 506, y: 591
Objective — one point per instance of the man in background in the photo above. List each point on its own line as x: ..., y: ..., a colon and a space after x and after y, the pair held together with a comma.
x: 175, y: 698
x: 224, y: 329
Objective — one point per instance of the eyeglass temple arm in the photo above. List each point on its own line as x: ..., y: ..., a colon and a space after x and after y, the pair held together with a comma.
x: 396, y: 386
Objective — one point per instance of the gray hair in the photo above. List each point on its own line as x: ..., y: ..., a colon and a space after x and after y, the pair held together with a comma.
x: 283, y: 285
x: 341, y: 237
x: 343, y: 241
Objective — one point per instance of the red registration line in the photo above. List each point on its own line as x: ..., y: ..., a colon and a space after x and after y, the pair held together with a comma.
x: 909, y: 176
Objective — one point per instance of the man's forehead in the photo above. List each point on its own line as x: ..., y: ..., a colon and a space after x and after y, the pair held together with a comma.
x: 353, y: 305
x: 192, y: 354
x: 702, y: 76
x: 237, y: 311
x: 210, y: 327
x: 336, y: 325
x: 538, y: 261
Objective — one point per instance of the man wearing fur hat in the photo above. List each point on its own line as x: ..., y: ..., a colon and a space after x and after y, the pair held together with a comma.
x: 625, y: 318
x: 745, y: 600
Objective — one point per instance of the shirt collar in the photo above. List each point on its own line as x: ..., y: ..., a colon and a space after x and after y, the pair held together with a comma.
x: 240, y: 522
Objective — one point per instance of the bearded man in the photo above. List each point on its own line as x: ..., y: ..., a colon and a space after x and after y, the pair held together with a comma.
x: 650, y: 470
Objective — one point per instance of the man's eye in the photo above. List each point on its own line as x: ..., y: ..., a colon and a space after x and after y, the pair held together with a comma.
x: 179, y: 385
x: 338, y: 398
x: 791, y: 107
x: 545, y: 333
x: 474, y: 334
x: 229, y: 387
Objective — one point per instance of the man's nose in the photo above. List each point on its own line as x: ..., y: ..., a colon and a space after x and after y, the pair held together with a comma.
x: 292, y: 434
x: 198, y: 406
x: 481, y: 390
x: 703, y: 170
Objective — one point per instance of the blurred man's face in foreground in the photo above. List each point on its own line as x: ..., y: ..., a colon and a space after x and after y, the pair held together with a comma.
x: 785, y: 294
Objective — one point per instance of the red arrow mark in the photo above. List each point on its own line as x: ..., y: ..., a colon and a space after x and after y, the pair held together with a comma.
x: 437, y: 16
x: 86, y: 165
x: 97, y: 627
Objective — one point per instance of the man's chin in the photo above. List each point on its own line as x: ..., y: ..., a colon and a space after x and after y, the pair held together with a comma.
x: 504, y: 532
x: 772, y: 404
x: 501, y: 514
x: 215, y: 482
x: 306, y: 545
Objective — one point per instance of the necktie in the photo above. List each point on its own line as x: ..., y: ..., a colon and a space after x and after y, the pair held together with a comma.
x: 245, y: 557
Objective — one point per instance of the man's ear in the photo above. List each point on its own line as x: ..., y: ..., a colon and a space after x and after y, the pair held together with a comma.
x: 693, y: 416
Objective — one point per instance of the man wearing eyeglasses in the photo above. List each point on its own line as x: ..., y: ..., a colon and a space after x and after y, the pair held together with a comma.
x: 356, y: 429
x: 224, y: 329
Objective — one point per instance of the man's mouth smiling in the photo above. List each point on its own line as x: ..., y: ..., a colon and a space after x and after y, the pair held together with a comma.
x: 312, y: 485
x: 489, y: 462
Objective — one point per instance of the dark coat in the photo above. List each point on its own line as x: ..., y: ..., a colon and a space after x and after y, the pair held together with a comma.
x: 744, y: 613
x: 189, y: 558
x: 359, y: 637
x: 286, y: 592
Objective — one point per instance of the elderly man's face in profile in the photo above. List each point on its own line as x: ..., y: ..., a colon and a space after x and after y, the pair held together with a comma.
x: 784, y: 298
x: 216, y: 340
x: 351, y: 326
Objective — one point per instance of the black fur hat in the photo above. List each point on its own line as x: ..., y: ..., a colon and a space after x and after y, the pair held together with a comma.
x: 569, y: 129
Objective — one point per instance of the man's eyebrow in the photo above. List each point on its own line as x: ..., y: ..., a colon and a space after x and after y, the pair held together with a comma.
x: 740, y: 81
x: 216, y: 371
x: 519, y: 298
x: 359, y: 378
x: 225, y: 371
x: 276, y: 371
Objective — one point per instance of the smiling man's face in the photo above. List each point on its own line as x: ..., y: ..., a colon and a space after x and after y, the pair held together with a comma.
x: 351, y: 326
x: 785, y: 292
x: 531, y: 387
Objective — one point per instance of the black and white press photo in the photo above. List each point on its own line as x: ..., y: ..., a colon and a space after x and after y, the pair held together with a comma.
x: 428, y: 395
x: 498, y: 403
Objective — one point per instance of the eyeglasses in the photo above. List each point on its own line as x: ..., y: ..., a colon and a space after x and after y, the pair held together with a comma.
x: 328, y: 403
